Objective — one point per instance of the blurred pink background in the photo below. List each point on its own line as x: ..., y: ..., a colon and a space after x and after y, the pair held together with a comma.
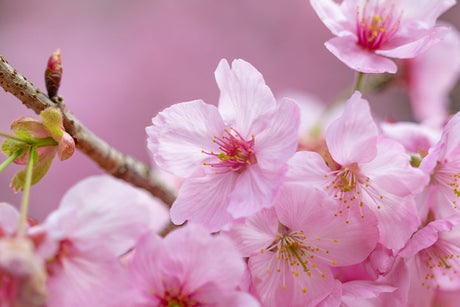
x: 126, y: 60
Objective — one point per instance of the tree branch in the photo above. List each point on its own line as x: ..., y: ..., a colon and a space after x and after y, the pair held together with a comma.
x: 111, y: 160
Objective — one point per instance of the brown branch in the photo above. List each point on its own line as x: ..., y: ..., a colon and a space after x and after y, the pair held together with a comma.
x: 112, y: 161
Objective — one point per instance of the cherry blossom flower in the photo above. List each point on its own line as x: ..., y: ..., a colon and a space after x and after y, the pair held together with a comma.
x: 364, y: 169
x: 370, y: 31
x: 233, y: 157
x: 290, y: 247
x: 433, y: 256
x: 189, y: 267
x: 443, y: 165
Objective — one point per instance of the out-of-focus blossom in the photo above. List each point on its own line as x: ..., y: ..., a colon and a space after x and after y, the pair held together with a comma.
x: 364, y: 169
x: 189, y: 267
x: 234, y: 156
x: 291, y: 247
x: 370, y: 31
x: 430, y: 76
x: 22, y: 271
x: 98, y: 220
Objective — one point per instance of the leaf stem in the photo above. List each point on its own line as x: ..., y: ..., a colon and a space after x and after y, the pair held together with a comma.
x: 25, y: 196
x: 10, y: 159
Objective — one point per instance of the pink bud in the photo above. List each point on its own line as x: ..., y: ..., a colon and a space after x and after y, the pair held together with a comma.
x: 53, y: 73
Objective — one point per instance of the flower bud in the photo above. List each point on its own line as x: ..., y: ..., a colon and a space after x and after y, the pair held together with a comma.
x: 53, y: 73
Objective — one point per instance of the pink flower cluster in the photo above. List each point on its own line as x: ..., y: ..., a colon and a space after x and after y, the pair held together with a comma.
x: 356, y: 221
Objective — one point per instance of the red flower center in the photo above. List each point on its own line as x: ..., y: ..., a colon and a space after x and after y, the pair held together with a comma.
x: 236, y: 153
x: 376, y: 24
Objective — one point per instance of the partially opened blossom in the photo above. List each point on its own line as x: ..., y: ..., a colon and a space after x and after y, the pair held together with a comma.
x: 99, y: 219
x: 443, y: 165
x: 32, y: 131
x: 364, y: 169
x: 189, y: 267
x: 430, y: 77
x: 291, y: 247
x: 233, y: 157
x: 371, y: 31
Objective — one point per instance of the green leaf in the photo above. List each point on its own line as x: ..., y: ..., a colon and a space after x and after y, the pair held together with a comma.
x: 41, y: 166
x: 10, y: 146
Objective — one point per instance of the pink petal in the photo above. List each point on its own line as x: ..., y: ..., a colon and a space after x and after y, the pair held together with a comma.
x: 31, y: 126
x: 278, y: 141
x: 425, y: 11
x: 346, y: 49
x: 419, y: 41
x: 85, y: 282
x: 255, y: 189
x: 243, y: 95
x: 200, y: 254
x: 334, y: 299
x: 426, y: 237
x: 146, y: 265
x: 397, y: 218
x: 363, y: 289
x: 180, y: 133
x: 269, y: 286
x: 187, y: 259
x: 256, y: 233
x: 204, y: 199
x: 66, y: 147
x: 450, y: 139
x: 353, y: 137
x: 307, y: 167
x: 333, y: 17
x: 391, y: 170
x: 431, y: 76
x: 102, y: 215
x: 341, y: 235
x: 399, y: 278
x: 9, y: 218
x: 238, y: 299
x: 381, y: 259
x: 411, y: 135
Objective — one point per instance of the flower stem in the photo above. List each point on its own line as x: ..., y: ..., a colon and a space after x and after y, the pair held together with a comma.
x: 10, y: 159
x: 359, y: 81
x: 25, y: 196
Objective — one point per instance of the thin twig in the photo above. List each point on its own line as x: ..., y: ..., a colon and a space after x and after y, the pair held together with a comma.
x: 111, y: 160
